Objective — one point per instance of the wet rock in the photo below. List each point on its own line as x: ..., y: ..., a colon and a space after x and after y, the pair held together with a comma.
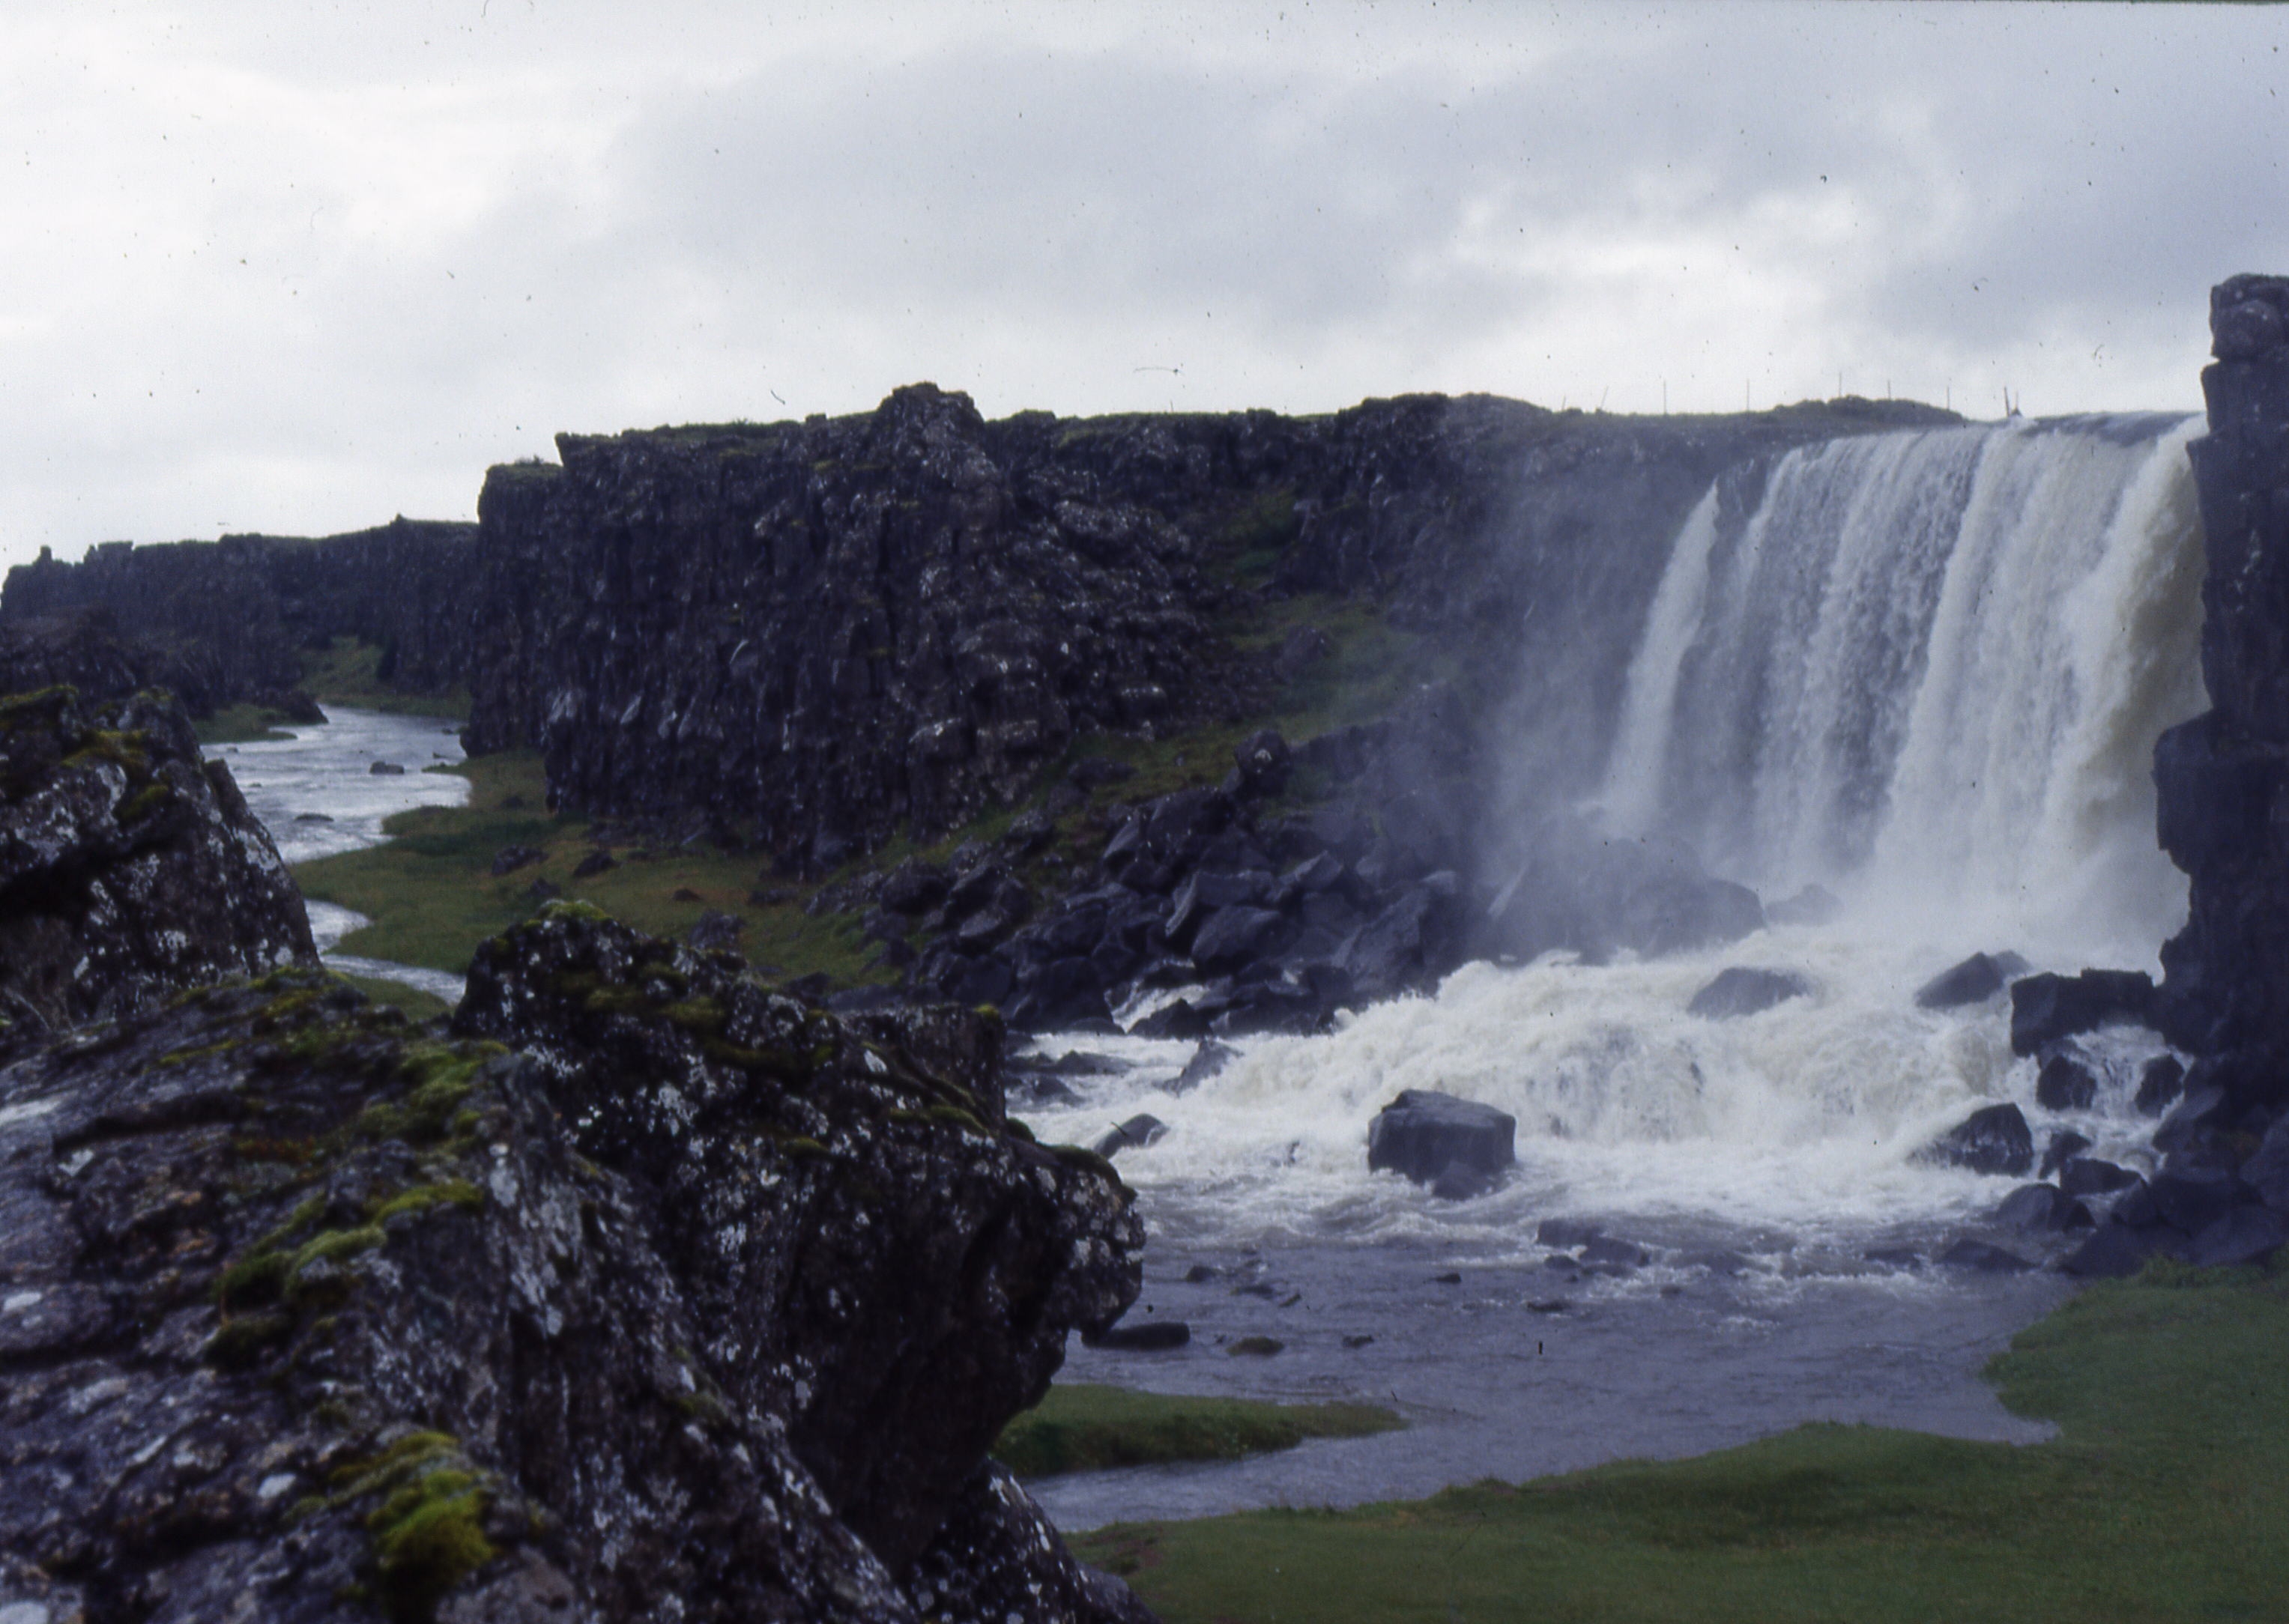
x: 2047, y: 1008
x: 2241, y: 1236
x: 386, y: 769
x: 717, y: 932
x: 1620, y: 1254
x: 1975, y: 981
x: 1741, y: 991
x: 2192, y: 1198
x: 1177, y: 1018
x: 1203, y: 892
x: 1458, y: 1182
x: 1257, y: 1347
x: 2115, y: 1250
x: 1207, y: 1060
x: 2198, y: 1113
x: 1134, y: 1134
x: 1567, y: 1232
x: 1984, y: 1256
x: 2063, y: 1145
x: 312, y: 817
x: 1145, y: 1336
x: 2160, y: 1080
x: 509, y: 859
x: 2085, y: 1176
x: 1581, y: 891
x: 1421, y: 1133
x: 1994, y: 1139
x: 1233, y: 936
x: 2066, y: 1083
x: 2041, y: 1208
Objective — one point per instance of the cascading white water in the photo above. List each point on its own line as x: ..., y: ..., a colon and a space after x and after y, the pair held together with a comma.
x: 1926, y: 670
x: 1927, y: 673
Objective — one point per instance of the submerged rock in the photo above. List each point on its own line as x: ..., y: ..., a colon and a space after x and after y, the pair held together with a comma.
x: 1975, y: 981
x: 2046, y: 1008
x: 1741, y: 991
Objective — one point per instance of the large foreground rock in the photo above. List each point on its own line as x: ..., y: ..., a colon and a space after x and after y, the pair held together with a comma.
x: 129, y: 868
x: 1422, y: 1134
x: 700, y: 1303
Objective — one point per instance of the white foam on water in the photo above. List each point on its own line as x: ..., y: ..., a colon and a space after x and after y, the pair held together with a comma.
x: 1927, y: 671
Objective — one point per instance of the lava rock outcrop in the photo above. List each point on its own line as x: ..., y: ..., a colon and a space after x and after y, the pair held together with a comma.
x: 701, y: 1301
x: 129, y: 868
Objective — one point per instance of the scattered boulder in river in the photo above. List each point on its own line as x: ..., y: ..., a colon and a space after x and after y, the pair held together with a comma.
x: 1741, y: 991
x: 2086, y: 1176
x: 2063, y: 1145
x: 1134, y: 1133
x: 1994, y: 1139
x: 2160, y: 1080
x: 1984, y: 1256
x: 1421, y: 1133
x: 2047, y: 1008
x: 1207, y: 1060
x: 1145, y: 1336
x: 1975, y: 981
x: 2041, y: 1208
x: 386, y: 769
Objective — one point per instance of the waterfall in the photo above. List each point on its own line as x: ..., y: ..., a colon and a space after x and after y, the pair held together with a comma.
x: 1927, y: 671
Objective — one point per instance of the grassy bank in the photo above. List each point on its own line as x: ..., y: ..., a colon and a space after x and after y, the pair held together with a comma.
x: 433, y: 896
x: 1085, y: 1426
x: 2162, y: 1498
x: 242, y: 724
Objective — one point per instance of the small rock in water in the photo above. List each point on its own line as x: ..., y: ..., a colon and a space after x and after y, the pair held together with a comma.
x: 1209, y: 1059
x: 1153, y: 1336
x: 1460, y: 1182
x: 1566, y: 1232
x: 1994, y: 1139
x: 386, y: 769
x: 1742, y: 990
x: 1617, y: 1253
x: 1136, y: 1133
x: 1548, y: 1305
x: 1261, y: 1347
x: 2160, y: 1081
x: 2040, y: 1208
x: 1357, y: 1341
x: 2063, y: 1147
x: 312, y: 817
x: 2065, y: 1083
x: 1451, y: 1277
x: 1975, y: 981
x: 1200, y: 1272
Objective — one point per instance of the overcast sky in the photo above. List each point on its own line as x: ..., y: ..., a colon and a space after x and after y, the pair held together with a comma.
x: 298, y: 267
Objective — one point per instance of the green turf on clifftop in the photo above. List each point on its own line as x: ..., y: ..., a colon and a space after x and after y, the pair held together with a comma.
x: 2165, y: 1497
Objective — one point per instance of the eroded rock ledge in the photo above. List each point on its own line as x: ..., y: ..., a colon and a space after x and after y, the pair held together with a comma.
x: 697, y: 1303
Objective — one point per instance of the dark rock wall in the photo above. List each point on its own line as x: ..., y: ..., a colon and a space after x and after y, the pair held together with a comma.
x: 2223, y: 779
x: 832, y: 628
x: 236, y: 616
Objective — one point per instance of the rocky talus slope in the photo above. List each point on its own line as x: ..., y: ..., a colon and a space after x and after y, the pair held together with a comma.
x: 129, y: 868
x: 645, y: 1293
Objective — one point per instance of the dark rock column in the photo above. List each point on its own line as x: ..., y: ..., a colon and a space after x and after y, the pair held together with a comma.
x: 2222, y: 779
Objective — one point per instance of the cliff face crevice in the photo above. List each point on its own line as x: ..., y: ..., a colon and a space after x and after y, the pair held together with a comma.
x: 2223, y: 779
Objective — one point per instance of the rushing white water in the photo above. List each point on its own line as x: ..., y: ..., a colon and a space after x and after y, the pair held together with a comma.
x: 1927, y: 671
x: 1927, y: 674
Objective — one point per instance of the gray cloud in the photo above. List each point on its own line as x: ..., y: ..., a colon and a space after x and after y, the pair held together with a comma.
x: 299, y: 270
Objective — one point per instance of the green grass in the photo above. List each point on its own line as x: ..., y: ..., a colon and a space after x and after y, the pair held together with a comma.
x: 241, y: 724
x: 348, y: 673
x: 433, y: 896
x: 414, y: 1003
x: 2164, y: 1498
x: 1085, y: 1428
